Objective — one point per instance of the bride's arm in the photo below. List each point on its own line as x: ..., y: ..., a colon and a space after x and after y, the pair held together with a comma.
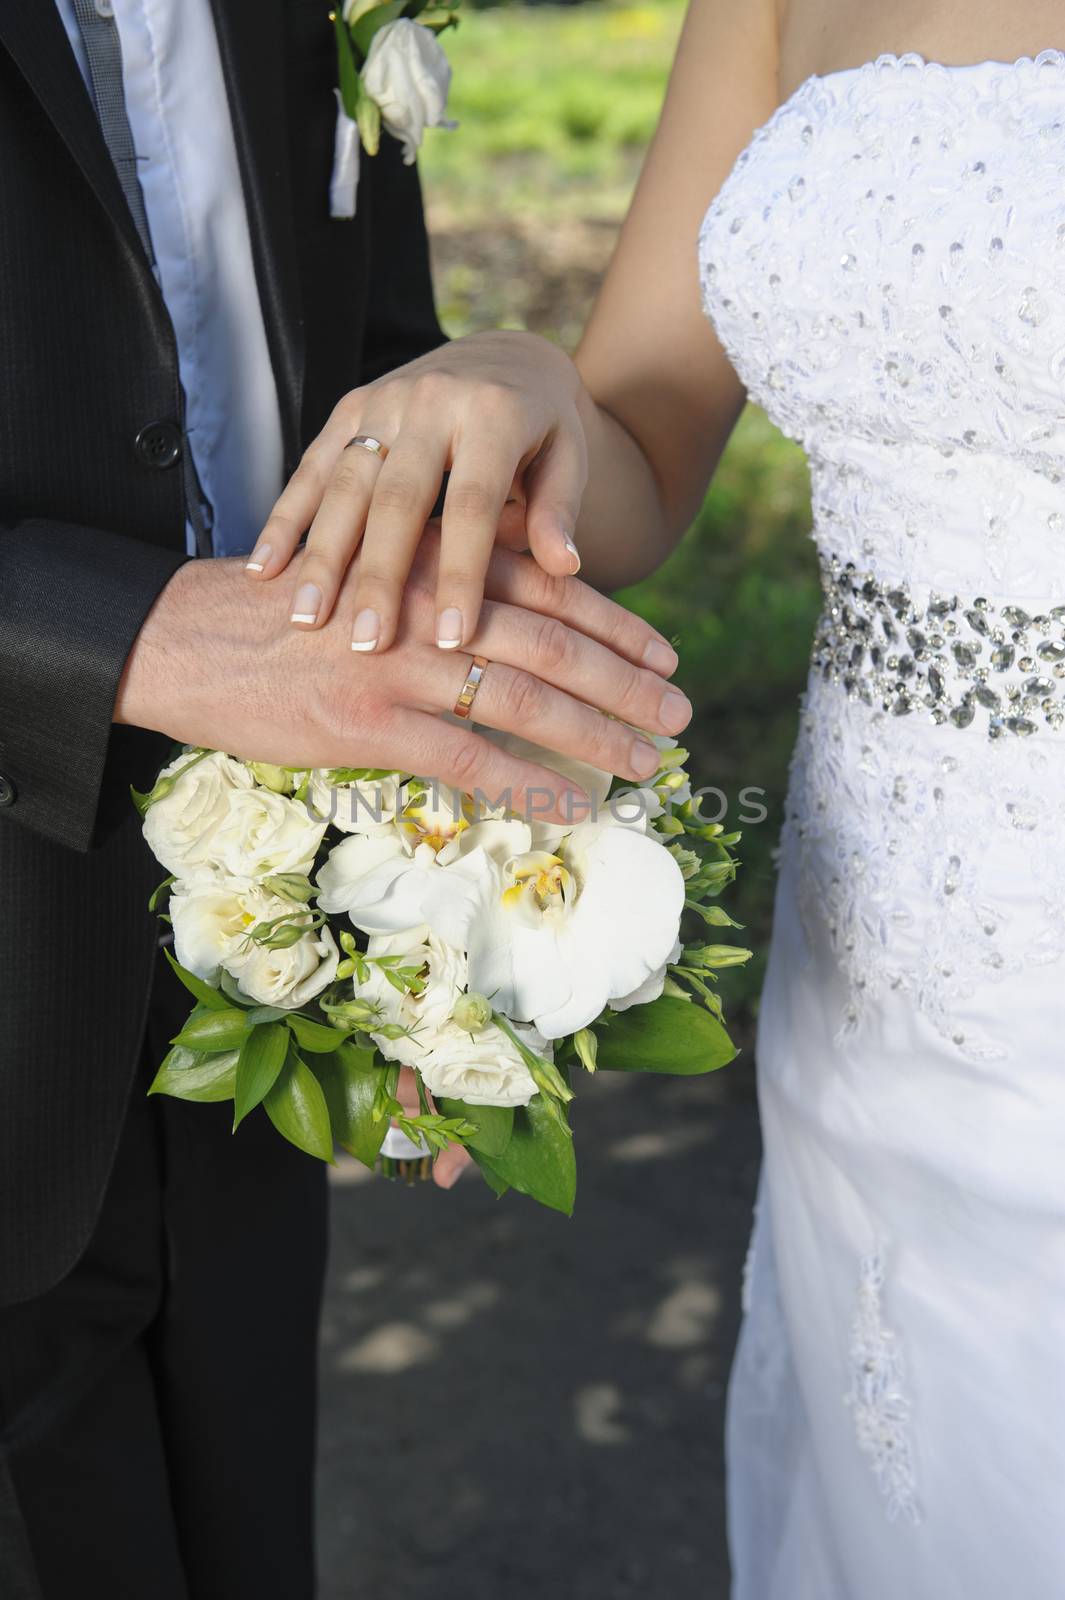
x: 625, y: 440
x: 659, y: 398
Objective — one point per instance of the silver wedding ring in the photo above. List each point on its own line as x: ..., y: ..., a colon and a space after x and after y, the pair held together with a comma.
x: 365, y: 441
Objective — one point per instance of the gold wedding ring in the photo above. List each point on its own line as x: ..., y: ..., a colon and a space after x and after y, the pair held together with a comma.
x: 366, y: 441
x: 474, y: 678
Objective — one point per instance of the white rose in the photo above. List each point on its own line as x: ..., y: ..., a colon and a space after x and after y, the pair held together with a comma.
x: 287, y: 978
x: 181, y: 828
x: 265, y: 833
x: 424, y: 1013
x: 367, y: 807
x: 484, y: 1070
x: 211, y: 922
x: 408, y: 75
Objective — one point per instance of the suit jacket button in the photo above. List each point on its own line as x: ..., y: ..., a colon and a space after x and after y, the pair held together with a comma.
x: 159, y: 445
x: 8, y: 795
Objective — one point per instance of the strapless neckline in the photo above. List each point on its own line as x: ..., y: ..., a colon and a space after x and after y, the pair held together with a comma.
x: 913, y: 61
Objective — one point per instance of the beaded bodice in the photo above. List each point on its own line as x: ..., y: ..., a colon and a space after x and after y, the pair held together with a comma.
x: 885, y: 267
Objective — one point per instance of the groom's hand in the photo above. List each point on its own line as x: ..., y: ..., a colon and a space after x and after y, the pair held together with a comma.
x: 217, y: 664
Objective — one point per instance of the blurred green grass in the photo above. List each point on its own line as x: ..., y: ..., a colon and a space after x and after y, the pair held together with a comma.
x: 556, y: 105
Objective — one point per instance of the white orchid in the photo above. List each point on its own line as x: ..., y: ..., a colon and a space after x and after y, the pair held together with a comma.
x: 555, y: 936
x: 380, y: 880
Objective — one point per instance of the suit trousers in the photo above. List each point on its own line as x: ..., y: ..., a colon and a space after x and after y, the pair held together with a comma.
x: 157, y: 1406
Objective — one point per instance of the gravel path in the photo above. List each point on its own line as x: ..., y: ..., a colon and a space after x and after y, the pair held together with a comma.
x: 517, y: 1405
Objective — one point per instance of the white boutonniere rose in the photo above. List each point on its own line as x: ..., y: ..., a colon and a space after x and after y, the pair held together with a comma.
x: 393, y: 75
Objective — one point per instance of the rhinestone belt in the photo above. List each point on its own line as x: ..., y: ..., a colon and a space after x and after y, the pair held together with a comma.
x: 949, y: 658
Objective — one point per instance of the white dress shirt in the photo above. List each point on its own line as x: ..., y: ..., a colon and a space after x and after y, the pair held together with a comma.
x: 187, y: 161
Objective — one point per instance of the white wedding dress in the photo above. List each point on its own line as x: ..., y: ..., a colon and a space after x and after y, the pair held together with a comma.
x: 886, y: 268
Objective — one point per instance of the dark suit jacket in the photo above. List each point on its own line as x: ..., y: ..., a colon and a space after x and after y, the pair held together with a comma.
x: 91, y: 530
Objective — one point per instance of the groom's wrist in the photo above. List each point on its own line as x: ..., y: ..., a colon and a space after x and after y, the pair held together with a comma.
x: 179, y: 651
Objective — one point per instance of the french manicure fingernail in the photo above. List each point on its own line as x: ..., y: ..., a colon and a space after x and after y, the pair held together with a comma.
x: 258, y: 558
x: 449, y: 629
x: 674, y: 711
x: 574, y: 552
x: 644, y: 758
x: 367, y: 631
x: 660, y: 657
x: 308, y: 603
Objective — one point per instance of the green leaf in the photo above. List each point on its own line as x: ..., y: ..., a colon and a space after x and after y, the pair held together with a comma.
x: 341, y: 775
x: 350, y: 1081
x: 297, y: 1108
x: 489, y: 1174
x: 190, y: 1075
x: 196, y: 986
x: 669, y: 1035
x: 156, y: 893
x: 317, y: 1037
x: 262, y: 1055
x: 539, y: 1160
x: 494, y: 1125
x: 257, y: 1014
x: 214, y: 1030
x: 347, y: 66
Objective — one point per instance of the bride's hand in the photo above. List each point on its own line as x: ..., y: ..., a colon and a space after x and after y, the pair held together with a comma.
x: 498, y: 411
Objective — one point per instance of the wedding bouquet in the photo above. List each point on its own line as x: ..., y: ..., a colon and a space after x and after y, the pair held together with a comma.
x: 335, y: 925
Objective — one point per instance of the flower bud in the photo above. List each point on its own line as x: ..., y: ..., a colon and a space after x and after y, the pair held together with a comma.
x: 472, y: 1012
x: 587, y: 1047
x: 276, y: 779
x: 290, y: 886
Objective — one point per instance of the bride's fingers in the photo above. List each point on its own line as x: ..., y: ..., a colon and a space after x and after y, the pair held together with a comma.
x: 295, y: 507
x: 520, y: 582
x: 477, y: 492
x: 572, y: 662
x: 407, y: 1092
x: 292, y: 513
x: 554, y: 485
x: 403, y: 497
x: 335, y: 533
x: 449, y: 1166
x: 514, y: 701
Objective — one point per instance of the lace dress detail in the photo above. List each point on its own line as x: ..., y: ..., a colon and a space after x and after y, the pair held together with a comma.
x: 877, y: 1398
x: 885, y: 268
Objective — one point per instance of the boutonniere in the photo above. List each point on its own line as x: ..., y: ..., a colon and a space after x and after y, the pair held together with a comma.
x: 393, y: 75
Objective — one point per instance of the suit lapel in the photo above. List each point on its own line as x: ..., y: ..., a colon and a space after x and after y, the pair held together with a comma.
x: 251, y: 43
x: 35, y: 37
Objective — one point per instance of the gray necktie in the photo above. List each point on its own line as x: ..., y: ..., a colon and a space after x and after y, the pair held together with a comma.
x: 103, y: 50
